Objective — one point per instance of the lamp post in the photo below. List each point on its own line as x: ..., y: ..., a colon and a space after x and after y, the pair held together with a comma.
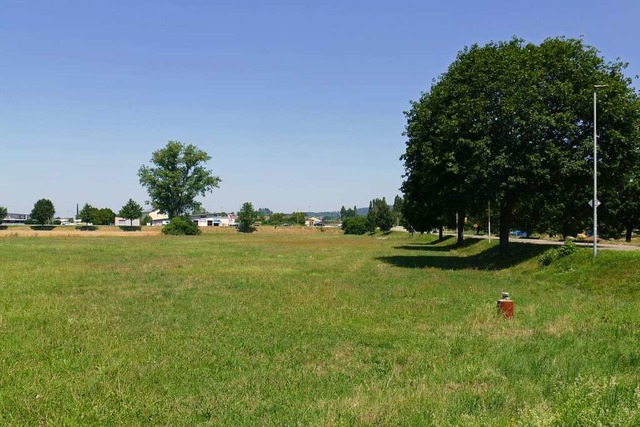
x: 595, y: 171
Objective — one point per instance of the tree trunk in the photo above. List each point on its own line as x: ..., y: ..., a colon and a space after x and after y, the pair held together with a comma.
x: 440, y: 232
x: 506, y: 214
x: 628, y: 234
x: 460, y: 227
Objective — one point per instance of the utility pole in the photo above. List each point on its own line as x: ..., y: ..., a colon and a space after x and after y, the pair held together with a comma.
x: 595, y: 201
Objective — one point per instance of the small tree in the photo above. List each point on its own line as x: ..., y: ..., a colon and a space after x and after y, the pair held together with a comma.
x: 3, y: 213
x: 246, y: 218
x: 43, y: 211
x: 379, y: 216
x: 87, y: 213
x: 384, y: 217
x: 104, y: 216
x: 147, y: 220
x: 397, y: 210
x: 131, y: 210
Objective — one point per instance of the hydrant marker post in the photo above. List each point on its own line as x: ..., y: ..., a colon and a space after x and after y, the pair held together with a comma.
x: 505, y: 306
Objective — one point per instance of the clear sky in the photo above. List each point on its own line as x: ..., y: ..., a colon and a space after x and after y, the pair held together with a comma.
x: 299, y: 103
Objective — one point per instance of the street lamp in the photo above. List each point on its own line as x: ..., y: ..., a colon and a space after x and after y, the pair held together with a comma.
x: 595, y: 172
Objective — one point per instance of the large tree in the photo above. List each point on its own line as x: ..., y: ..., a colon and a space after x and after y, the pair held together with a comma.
x: 43, y: 211
x: 511, y: 123
x: 178, y: 175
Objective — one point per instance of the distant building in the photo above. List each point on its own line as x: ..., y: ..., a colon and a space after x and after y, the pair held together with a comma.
x: 313, y: 221
x: 211, y: 220
x: 157, y: 218
x: 123, y: 221
x: 15, y: 218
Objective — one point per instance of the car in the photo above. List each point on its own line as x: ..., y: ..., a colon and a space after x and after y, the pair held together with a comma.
x: 518, y: 233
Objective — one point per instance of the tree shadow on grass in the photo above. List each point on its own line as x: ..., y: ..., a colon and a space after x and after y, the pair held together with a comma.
x: 433, y: 242
x: 446, y: 248
x: 489, y: 259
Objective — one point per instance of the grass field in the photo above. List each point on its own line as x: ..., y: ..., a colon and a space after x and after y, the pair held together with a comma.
x: 312, y: 328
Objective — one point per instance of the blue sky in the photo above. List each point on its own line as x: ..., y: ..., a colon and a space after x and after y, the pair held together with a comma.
x: 298, y: 103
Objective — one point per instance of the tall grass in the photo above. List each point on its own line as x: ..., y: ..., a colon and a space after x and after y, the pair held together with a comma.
x: 313, y: 328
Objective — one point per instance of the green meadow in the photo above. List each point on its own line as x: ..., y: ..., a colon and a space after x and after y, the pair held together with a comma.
x: 313, y: 328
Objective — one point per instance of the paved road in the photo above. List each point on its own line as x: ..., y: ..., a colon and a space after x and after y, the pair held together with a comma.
x: 607, y: 246
x: 557, y: 243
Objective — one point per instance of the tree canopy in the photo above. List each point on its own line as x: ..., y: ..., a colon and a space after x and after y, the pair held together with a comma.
x: 177, y: 176
x: 511, y: 123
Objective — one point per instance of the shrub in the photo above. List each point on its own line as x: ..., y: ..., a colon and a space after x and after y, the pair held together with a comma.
x: 552, y: 254
x: 130, y: 227
x: 355, y: 225
x: 567, y: 249
x: 86, y: 227
x: 547, y: 257
x: 181, y: 226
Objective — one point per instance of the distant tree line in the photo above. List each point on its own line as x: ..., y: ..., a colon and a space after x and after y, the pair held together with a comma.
x: 380, y: 216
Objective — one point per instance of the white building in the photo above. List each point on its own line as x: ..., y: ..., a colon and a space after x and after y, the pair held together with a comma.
x: 157, y: 218
x: 209, y: 220
x: 126, y: 222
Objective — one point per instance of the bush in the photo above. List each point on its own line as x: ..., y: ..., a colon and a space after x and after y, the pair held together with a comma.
x: 3, y: 227
x: 355, y: 225
x: 567, y: 249
x: 181, y: 226
x: 86, y: 227
x: 130, y: 227
x: 547, y: 257
x: 553, y: 254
